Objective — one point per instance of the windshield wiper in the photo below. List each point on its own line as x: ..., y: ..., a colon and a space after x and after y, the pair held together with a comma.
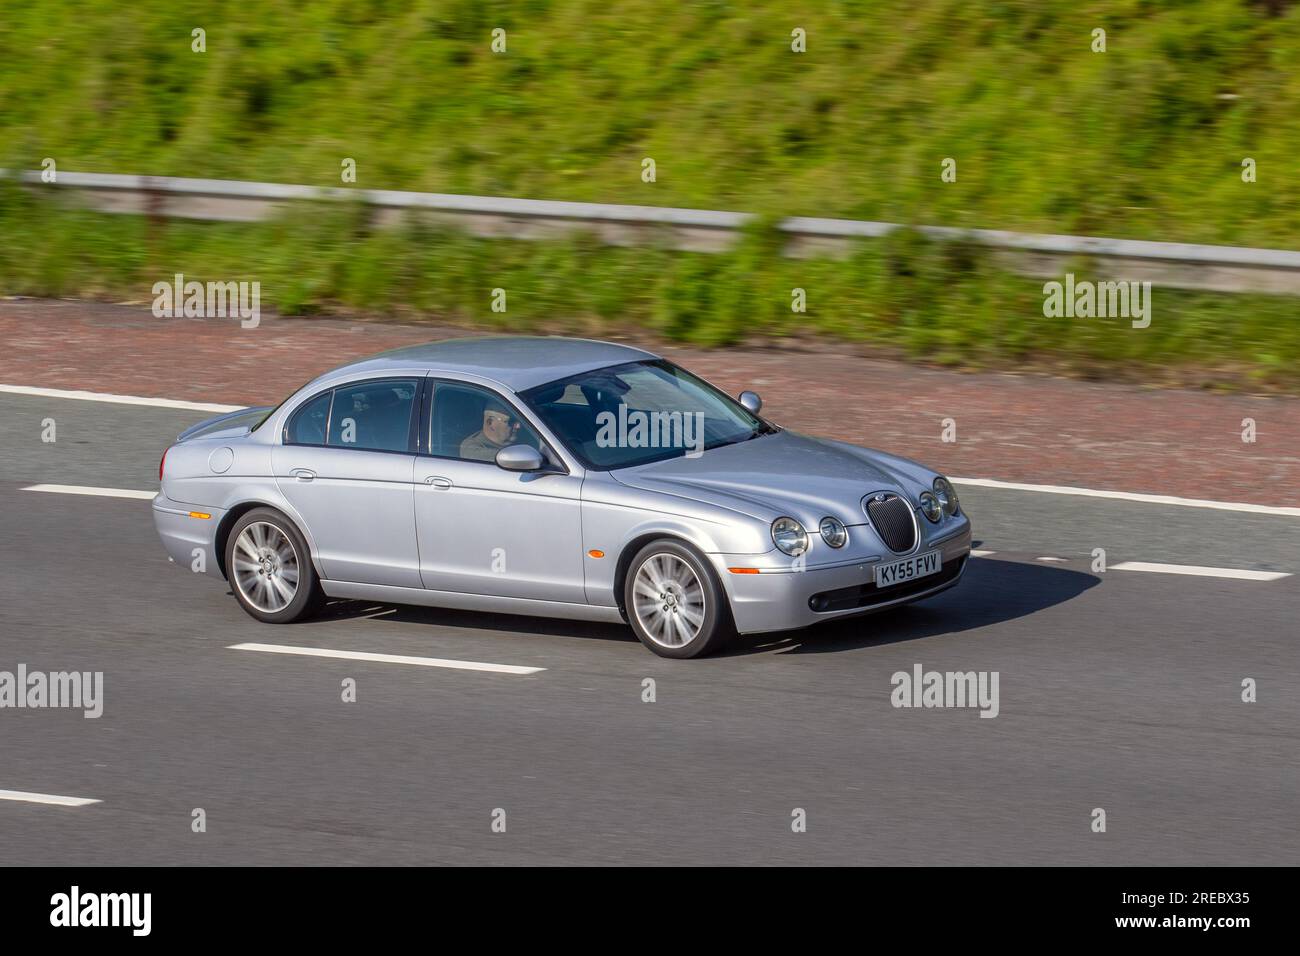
x: 735, y: 441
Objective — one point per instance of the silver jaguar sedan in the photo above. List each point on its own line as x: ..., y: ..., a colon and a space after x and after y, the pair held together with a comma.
x: 554, y: 477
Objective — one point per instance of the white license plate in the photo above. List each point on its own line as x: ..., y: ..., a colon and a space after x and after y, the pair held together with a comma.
x: 909, y: 569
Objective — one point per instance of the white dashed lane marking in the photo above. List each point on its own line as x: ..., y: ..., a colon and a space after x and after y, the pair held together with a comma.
x: 52, y: 799
x: 117, y: 399
x: 515, y: 669
x: 1240, y: 574
x: 1129, y: 496
x: 91, y: 490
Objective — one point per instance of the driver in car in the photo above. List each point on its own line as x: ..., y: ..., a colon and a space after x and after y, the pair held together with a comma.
x: 499, y: 429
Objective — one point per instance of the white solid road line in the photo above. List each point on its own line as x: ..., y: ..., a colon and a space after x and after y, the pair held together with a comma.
x: 1238, y: 573
x: 90, y: 490
x: 388, y: 658
x: 982, y: 482
x: 118, y: 399
x: 975, y: 482
x: 1129, y: 496
x: 51, y: 798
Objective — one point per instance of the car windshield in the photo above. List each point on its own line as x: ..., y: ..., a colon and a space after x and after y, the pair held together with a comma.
x: 640, y: 412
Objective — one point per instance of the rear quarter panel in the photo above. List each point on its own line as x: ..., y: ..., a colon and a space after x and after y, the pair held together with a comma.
x: 191, y: 479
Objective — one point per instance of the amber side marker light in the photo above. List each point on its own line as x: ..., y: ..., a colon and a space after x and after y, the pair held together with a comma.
x: 743, y: 570
x: 199, y: 514
x: 593, y: 553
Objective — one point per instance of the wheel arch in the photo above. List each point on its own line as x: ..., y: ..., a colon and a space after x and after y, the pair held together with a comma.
x: 634, y: 546
x: 222, y: 534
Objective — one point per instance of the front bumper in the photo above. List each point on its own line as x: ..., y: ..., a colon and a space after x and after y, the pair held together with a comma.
x: 781, y: 599
x: 189, y: 540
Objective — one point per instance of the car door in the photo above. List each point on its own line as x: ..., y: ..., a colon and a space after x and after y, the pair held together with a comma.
x: 485, y: 530
x: 345, y: 463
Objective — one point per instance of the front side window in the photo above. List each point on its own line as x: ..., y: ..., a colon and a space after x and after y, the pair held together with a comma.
x: 473, y: 423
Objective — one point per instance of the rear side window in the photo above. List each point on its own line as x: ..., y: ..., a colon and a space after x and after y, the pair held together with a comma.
x: 373, y: 416
x: 307, y: 426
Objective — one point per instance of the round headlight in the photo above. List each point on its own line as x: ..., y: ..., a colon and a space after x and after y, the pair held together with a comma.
x: 789, y: 536
x: 930, y: 506
x: 947, y: 495
x: 833, y: 532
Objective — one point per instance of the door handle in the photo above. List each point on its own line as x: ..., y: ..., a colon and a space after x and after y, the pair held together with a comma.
x: 437, y: 481
x: 303, y: 474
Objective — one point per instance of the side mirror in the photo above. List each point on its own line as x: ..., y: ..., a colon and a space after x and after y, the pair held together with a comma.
x: 520, y: 458
x: 751, y: 401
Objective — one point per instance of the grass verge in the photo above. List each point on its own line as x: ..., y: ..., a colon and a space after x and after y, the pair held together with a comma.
x: 935, y: 302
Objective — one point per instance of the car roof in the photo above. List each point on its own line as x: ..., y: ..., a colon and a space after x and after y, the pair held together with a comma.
x: 518, y: 362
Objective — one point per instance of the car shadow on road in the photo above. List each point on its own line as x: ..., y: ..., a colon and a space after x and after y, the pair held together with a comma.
x: 473, y: 620
x: 991, y: 592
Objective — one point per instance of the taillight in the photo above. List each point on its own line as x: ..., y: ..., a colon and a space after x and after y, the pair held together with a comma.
x: 162, y: 461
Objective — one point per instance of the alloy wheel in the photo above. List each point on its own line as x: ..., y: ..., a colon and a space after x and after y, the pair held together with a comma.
x: 668, y: 600
x: 266, y: 567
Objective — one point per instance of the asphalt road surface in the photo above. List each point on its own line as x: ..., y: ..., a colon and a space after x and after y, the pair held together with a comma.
x: 1118, y: 690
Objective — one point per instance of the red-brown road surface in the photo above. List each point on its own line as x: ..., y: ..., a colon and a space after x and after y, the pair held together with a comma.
x: 1015, y: 428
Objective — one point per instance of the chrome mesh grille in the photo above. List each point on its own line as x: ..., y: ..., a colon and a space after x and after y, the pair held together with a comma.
x: 891, y: 516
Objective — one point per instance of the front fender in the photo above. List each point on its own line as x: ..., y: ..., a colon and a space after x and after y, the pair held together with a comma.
x: 618, y: 520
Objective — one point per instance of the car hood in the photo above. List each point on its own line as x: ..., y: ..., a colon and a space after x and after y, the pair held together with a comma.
x: 785, y: 473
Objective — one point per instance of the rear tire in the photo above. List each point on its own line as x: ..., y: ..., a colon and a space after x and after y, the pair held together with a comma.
x: 674, y: 602
x: 270, y: 569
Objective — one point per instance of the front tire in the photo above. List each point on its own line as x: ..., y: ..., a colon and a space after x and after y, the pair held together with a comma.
x: 269, y: 568
x: 674, y: 602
